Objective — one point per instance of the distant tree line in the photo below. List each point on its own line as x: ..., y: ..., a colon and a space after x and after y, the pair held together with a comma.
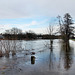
x: 17, y: 34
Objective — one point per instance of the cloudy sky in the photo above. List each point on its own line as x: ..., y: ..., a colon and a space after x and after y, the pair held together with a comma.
x: 33, y: 14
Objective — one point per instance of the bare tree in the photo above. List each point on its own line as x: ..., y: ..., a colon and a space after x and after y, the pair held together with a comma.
x: 11, y: 43
x: 14, y: 31
x: 50, y: 30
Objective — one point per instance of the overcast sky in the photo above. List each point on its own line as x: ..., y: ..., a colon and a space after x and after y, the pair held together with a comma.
x: 33, y: 14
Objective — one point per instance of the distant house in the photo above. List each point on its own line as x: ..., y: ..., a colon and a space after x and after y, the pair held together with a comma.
x: 1, y: 37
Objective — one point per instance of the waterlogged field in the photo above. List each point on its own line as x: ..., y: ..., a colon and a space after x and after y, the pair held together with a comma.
x: 37, y: 57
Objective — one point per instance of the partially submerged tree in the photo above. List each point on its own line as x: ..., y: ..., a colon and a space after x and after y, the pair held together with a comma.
x: 66, y: 27
x: 51, y: 33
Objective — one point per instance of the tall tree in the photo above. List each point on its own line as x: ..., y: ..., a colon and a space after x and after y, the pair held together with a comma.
x: 66, y: 27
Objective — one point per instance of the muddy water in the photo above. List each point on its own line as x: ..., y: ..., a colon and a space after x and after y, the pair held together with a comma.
x: 39, y: 57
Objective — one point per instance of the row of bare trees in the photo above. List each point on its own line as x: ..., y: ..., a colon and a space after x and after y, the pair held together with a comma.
x: 7, y: 46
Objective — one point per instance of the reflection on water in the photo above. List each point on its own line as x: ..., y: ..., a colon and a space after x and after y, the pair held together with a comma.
x: 67, y: 54
x: 57, y: 56
x: 51, y: 62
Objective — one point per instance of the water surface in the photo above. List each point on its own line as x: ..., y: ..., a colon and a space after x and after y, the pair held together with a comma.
x: 38, y: 57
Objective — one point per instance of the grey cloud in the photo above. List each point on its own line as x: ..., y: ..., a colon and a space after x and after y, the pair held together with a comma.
x: 30, y: 8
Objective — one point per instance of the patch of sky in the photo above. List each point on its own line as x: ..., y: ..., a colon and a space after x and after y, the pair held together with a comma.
x: 44, y: 19
x: 19, y: 20
x: 53, y: 21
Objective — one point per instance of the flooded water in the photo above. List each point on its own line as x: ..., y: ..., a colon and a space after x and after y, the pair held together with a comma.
x: 38, y: 57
